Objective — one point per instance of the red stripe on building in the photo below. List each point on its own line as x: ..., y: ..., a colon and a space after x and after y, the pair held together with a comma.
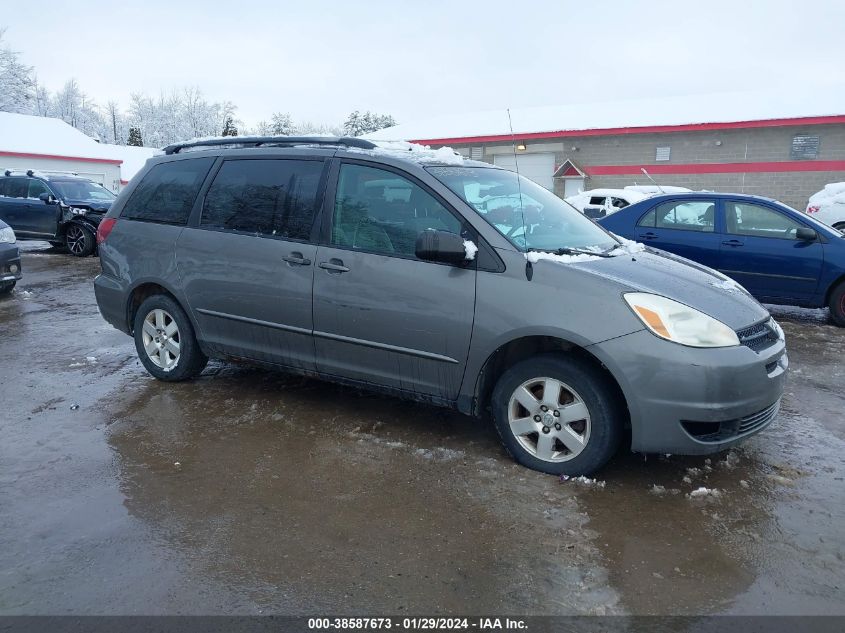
x: 652, y: 129
x: 718, y: 168
x: 110, y: 161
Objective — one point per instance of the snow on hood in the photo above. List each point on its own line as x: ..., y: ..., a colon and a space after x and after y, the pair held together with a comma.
x: 670, y: 276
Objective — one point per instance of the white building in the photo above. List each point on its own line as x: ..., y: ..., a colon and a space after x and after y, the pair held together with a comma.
x: 52, y: 146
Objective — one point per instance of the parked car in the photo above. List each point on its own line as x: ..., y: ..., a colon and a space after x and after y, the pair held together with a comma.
x: 598, y: 203
x: 655, y: 189
x: 63, y: 210
x: 10, y: 259
x: 383, y: 269
x: 779, y: 254
x: 828, y: 205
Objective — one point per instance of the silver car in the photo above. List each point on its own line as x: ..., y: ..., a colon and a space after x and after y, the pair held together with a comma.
x: 441, y: 280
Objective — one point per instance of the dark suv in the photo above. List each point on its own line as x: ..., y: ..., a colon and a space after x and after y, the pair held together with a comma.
x: 438, y: 279
x: 63, y: 210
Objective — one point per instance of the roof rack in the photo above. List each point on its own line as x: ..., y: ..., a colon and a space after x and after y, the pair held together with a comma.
x: 282, y: 141
x: 20, y: 172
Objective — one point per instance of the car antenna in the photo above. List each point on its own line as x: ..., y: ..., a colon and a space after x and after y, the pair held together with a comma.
x: 647, y: 175
x: 529, y: 269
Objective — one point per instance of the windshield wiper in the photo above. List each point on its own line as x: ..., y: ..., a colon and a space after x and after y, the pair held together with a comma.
x: 578, y: 251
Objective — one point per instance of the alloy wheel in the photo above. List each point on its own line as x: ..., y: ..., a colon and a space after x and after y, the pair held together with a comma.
x: 549, y: 419
x: 160, y: 336
x: 75, y: 240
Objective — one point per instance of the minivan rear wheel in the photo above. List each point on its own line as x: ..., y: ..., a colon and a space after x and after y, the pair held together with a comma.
x: 837, y: 305
x: 557, y: 414
x: 165, y: 340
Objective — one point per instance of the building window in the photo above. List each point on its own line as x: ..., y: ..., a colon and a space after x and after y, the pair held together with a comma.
x: 804, y: 147
x: 662, y: 153
x: 476, y: 153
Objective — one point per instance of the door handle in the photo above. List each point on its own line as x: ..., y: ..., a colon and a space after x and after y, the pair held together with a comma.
x: 334, y: 266
x: 733, y: 243
x: 648, y: 236
x: 296, y: 259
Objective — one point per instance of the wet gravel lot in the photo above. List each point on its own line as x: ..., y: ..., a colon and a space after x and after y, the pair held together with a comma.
x: 248, y: 491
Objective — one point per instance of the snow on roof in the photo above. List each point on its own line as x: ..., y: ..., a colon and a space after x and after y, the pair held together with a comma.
x: 664, y: 111
x: 26, y: 134
x: 133, y: 157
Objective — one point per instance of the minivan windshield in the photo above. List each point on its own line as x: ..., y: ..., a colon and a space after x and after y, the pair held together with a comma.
x: 529, y: 216
x: 82, y: 190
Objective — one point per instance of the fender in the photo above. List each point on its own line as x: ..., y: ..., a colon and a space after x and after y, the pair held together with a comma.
x: 479, y: 358
x: 180, y: 299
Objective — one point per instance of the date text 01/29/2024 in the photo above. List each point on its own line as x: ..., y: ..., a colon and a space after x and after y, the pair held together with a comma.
x: 417, y: 624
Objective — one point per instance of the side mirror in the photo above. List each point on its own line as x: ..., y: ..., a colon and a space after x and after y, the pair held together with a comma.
x: 806, y: 234
x: 441, y: 246
x: 47, y: 198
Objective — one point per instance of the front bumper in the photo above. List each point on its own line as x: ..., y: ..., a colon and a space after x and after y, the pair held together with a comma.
x: 10, y: 262
x: 693, y: 401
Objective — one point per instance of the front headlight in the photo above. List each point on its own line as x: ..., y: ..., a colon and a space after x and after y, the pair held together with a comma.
x: 7, y: 236
x: 679, y: 323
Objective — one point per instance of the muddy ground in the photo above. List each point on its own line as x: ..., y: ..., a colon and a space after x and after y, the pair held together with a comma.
x: 248, y: 491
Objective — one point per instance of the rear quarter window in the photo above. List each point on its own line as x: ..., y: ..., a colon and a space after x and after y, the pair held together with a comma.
x: 167, y: 193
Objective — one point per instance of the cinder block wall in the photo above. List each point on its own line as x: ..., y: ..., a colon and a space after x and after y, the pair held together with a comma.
x: 772, y: 144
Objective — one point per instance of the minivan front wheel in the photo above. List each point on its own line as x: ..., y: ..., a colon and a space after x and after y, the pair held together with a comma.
x: 557, y: 414
x: 165, y: 341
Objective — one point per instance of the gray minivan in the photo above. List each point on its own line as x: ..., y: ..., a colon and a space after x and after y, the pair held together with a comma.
x: 438, y: 279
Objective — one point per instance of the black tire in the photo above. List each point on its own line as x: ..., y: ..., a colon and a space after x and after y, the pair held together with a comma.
x: 837, y: 305
x: 190, y: 361
x: 594, y: 390
x: 79, y: 240
x: 6, y: 286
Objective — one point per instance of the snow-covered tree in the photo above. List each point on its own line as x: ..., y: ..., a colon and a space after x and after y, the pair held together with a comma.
x: 281, y: 124
x: 17, y: 83
x: 135, y: 137
x: 357, y: 123
x: 229, y: 128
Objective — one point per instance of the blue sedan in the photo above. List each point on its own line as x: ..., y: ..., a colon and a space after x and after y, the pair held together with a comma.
x: 779, y: 254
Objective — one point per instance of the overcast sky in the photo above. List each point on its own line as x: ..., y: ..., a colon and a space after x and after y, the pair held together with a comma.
x: 319, y: 60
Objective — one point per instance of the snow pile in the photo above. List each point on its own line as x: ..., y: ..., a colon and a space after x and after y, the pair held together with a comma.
x: 704, y: 492
x: 439, y: 453
x: 628, y: 247
x: 536, y: 256
x: 470, y: 249
x: 415, y: 151
x: 584, y: 481
x: 833, y: 193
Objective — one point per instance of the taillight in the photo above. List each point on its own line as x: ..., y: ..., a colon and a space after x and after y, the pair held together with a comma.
x: 813, y: 208
x: 104, y: 229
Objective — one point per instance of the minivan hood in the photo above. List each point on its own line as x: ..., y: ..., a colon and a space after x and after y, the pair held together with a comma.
x: 680, y: 279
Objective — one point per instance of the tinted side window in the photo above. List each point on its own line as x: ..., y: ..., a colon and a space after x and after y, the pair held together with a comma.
x: 167, y: 192
x: 647, y: 219
x: 380, y: 211
x: 3, y: 182
x: 16, y: 187
x: 759, y: 221
x: 36, y: 188
x: 268, y: 197
x: 687, y: 215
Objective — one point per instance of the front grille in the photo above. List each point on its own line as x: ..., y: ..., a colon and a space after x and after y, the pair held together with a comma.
x: 730, y: 429
x: 759, y: 336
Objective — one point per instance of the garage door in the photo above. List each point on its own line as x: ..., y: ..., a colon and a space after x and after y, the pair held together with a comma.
x: 537, y: 167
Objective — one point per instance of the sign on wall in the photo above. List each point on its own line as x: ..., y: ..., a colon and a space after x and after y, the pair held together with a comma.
x: 804, y: 147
